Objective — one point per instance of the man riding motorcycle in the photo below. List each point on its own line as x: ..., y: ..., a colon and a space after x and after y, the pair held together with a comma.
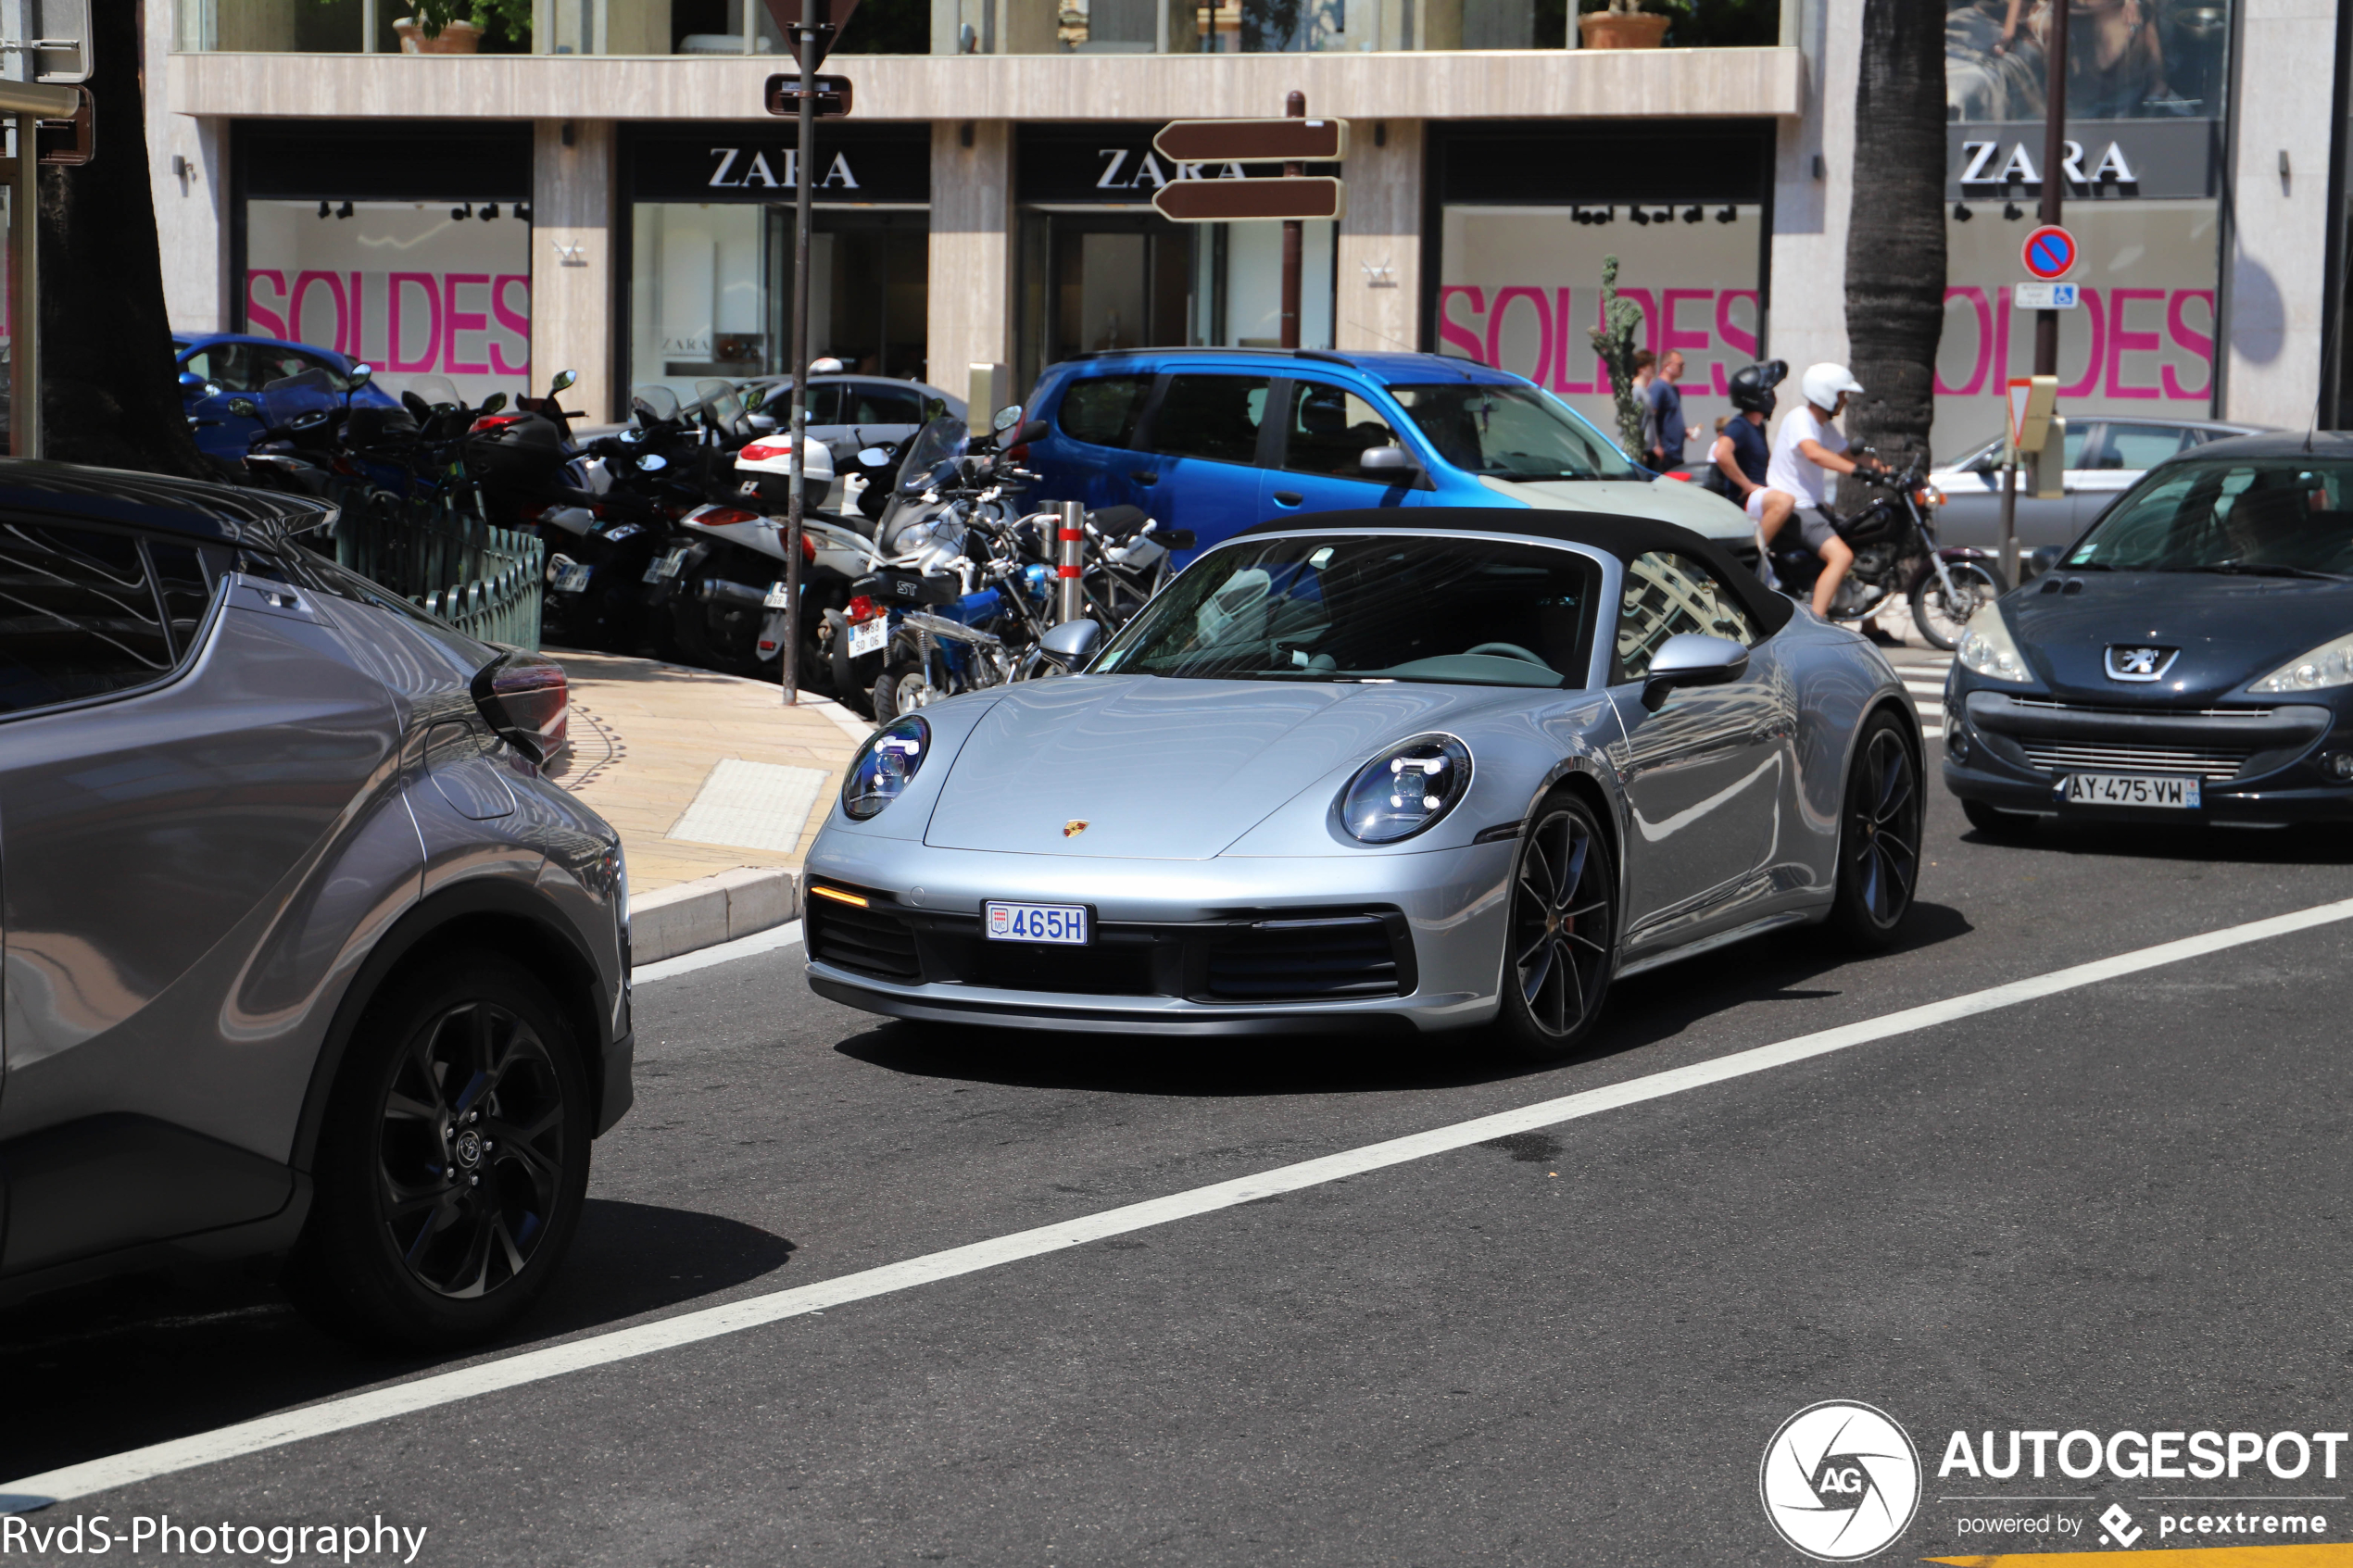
x: 1808, y: 446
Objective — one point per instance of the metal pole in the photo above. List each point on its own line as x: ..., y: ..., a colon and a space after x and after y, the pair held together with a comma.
x: 1293, y: 234
x: 24, y: 296
x: 2046, y: 322
x: 1070, y: 562
x: 805, y: 47
x: 2009, y: 516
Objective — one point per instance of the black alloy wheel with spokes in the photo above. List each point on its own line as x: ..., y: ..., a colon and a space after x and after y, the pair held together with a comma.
x: 1878, y: 835
x: 454, y: 1159
x: 1560, y: 944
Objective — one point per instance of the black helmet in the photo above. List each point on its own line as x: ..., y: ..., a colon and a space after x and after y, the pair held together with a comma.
x: 1752, y: 385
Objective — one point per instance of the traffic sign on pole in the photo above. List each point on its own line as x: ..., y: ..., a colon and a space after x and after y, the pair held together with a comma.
x: 832, y: 95
x: 2031, y: 402
x: 2049, y: 253
x: 831, y: 16
x: 2046, y: 296
x: 1252, y: 141
x: 1293, y: 199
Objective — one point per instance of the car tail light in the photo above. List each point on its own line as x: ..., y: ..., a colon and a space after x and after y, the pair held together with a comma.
x: 527, y: 700
x: 491, y: 422
x: 862, y: 608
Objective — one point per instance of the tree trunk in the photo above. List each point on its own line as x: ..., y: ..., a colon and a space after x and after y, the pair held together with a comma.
x: 111, y: 394
x: 1896, y: 231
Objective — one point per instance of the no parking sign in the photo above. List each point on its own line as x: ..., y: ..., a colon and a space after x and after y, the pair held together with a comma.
x: 2049, y: 253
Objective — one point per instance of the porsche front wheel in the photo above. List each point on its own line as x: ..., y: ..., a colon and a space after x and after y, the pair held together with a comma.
x: 1562, y: 933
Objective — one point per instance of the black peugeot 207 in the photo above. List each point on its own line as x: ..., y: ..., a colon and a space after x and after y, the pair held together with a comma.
x: 2190, y: 657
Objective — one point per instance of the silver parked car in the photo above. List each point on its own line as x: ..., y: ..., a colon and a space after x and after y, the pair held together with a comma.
x: 1423, y: 769
x: 2107, y: 453
x: 303, y: 955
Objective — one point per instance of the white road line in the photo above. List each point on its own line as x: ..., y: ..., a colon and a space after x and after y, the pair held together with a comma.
x: 725, y: 952
x: 734, y: 1317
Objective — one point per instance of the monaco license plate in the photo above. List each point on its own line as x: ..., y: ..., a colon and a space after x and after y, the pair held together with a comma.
x: 1061, y: 924
x: 2131, y: 789
x: 869, y: 636
x: 573, y: 579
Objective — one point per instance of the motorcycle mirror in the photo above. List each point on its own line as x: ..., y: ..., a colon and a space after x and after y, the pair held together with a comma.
x: 360, y: 376
x: 562, y: 381
x: 874, y: 458
x: 245, y: 408
x: 493, y: 403
x: 1006, y: 418
x: 652, y: 462
x: 1036, y: 430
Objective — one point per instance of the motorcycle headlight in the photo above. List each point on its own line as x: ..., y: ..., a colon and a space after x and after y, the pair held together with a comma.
x: 1405, y: 789
x: 2331, y: 664
x: 885, y: 766
x: 1987, y: 648
x: 1928, y: 496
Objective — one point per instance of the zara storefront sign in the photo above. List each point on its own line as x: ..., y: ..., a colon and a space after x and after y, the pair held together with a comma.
x: 2106, y: 160
x: 887, y: 165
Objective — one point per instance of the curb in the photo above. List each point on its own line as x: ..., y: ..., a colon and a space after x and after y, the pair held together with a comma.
x: 711, y: 909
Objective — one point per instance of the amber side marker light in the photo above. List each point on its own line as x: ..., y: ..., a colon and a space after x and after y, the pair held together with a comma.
x: 837, y: 896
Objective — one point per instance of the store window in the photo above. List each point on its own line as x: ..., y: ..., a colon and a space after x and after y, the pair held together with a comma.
x: 1529, y: 217
x: 712, y: 246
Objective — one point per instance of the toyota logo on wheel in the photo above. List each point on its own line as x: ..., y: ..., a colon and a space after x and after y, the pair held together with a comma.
x: 1840, y: 1481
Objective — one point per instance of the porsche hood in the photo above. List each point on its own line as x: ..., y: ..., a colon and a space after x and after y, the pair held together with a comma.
x: 1668, y: 500
x: 1136, y: 769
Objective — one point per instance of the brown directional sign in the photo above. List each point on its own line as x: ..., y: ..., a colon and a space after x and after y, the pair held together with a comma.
x: 1254, y: 140
x: 833, y: 96
x: 1233, y: 201
x: 832, y: 16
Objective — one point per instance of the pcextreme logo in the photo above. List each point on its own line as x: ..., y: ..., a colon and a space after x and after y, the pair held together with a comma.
x: 1840, y: 1481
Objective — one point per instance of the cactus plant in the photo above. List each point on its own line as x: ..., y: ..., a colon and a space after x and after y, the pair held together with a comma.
x: 1613, y: 341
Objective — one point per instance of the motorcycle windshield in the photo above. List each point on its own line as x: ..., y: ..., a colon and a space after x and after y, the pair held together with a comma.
x: 285, y: 399
x: 439, y: 392
x: 653, y: 404
x: 726, y: 405
x: 942, y: 441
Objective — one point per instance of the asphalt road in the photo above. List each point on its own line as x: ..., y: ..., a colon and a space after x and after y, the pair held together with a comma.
x: 2122, y: 1206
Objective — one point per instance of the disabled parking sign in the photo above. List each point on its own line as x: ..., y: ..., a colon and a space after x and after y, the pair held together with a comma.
x: 2049, y: 253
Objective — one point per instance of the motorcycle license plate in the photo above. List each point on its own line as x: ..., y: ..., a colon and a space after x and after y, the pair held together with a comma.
x: 869, y: 636
x: 662, y: 567
x: 573, y: 579
x: 1061, y: 925
x: 626, y: 530
x: 2131, y: 789
x: 777, y: 598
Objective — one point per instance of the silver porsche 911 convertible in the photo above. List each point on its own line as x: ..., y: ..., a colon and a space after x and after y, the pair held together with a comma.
x: 1423, y: 769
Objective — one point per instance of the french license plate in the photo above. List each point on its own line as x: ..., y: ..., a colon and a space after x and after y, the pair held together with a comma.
x: 573, y: 579
x: 2131, y: 789
x: 869, y: 636
x: 777, y: 598
x: 1061, y: 924
x: 626, y: 530
x: 662, y: 567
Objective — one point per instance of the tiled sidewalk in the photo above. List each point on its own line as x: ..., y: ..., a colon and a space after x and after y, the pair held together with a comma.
x: 648, y: 740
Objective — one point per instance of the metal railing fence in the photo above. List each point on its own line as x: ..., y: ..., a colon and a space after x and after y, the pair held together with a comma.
x: 438, y: 551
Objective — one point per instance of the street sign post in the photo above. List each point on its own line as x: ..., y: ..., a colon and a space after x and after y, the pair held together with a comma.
x: 812, y: 36
x: 47, y: 41
x: 1252, y: 141
x: 2032, y: 401
x: 833, y: 96
x: 2049, y: 253
x: 2044, y: 296
x: 1294, y: 199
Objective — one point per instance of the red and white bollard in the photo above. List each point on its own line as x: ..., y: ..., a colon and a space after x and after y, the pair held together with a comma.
x: 1070, y: 562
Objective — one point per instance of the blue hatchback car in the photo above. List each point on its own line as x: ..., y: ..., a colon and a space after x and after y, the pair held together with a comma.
x: 216, y: 367
x: 1217, y: 440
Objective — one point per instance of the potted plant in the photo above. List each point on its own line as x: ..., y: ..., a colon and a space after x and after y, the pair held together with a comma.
x: 457, y: 27
x: 1625, y: 25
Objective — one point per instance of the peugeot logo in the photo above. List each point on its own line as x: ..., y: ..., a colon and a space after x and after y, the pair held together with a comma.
x: 2131, y: 661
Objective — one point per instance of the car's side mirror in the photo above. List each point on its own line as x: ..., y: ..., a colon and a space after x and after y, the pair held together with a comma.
x: 191, y: 381
x: 1069, y: 644
x: 360, y: 376
x: 1690, y: 658
x: 1387, y: 460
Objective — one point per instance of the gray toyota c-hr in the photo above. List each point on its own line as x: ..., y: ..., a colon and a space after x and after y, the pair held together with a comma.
x: 303, y: 955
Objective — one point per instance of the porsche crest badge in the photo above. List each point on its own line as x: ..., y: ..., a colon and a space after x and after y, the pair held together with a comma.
x: 1073, y: 828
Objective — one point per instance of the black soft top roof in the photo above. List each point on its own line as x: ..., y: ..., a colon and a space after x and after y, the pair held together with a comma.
x: 1625, y: 537
x: 153, y: 500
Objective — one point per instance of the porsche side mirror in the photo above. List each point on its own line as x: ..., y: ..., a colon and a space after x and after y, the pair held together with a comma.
x: 1387, y: 460
x: 1688, y: 659
x: 1069, y: 644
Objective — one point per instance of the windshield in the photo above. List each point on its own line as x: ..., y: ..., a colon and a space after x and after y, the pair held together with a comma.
x: 941, y: 441
x: 2287, y: 517
x: 726, y: 406
x: 1378, y: 608
x: 289, y: 396
x: 653, y: 403
x: 1511, y: 432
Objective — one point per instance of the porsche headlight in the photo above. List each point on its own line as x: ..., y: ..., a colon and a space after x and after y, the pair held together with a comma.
x: 2331, y: 664
x: 1987, y: 648
x: 1405, y: 789
x: 885, y: 767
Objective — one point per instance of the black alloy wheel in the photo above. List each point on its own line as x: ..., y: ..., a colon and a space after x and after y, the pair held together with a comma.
x: 1879, y: 837
x: 1561, y: 940
x: 453, y: 1163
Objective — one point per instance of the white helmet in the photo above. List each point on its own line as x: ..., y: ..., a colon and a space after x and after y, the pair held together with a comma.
x: 1822, y: 383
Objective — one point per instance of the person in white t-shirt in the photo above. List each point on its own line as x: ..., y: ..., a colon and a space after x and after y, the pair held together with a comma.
x: 1806, y: 447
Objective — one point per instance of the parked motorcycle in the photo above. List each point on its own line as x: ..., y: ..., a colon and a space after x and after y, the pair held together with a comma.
x: 1893, y: 539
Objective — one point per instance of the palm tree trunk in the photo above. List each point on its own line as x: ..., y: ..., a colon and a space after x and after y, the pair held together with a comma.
x: 110, y: 394
x: 1896, y: 231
